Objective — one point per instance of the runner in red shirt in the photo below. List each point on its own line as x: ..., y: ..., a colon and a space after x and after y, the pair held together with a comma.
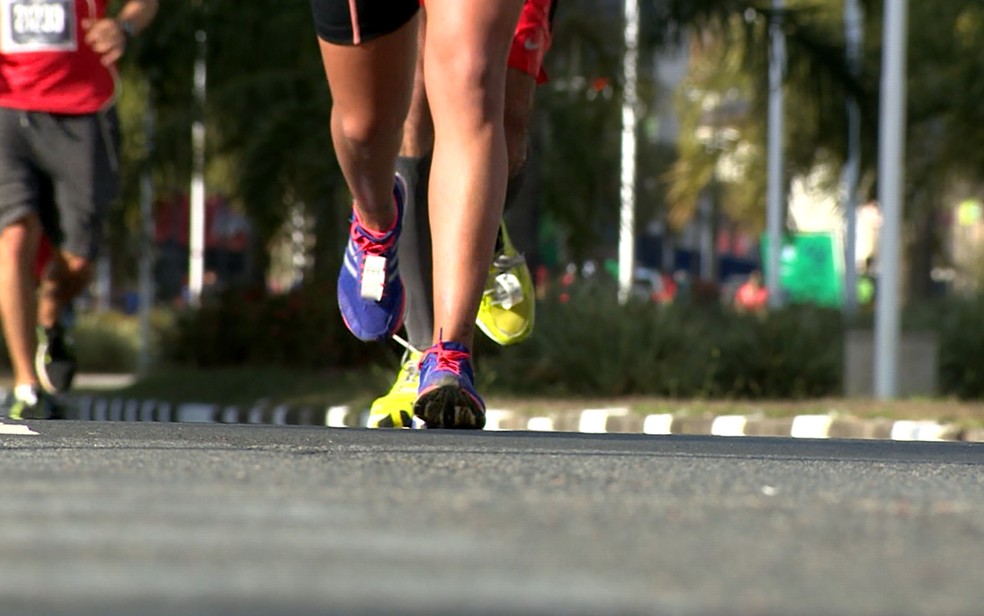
x: 59, y: 166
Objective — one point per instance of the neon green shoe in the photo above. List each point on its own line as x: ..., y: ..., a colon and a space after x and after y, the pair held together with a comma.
x: 395, y: 409
x: 31, y: 403
x: 508, y: 305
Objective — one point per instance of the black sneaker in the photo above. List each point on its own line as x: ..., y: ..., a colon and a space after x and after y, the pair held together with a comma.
x: 55, y: 359
x: 33, y: 404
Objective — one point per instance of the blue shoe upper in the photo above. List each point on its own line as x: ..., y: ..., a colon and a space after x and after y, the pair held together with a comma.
x: 446, y: 363
x: 370, y: 293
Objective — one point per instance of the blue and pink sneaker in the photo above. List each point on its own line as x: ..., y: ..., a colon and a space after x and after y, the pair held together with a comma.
x: 446, y: 397
x: 370, y: 292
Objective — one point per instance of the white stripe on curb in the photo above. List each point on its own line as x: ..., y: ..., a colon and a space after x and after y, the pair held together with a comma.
x: 595, y: 421
x: 540, y: 424
x: 905, y: 430
x: 658, y: 424
x: 196, y: 413
x: 811, y: 426
x: 729, y: 425
x: 280, y: 415
x: 494, y: 418
x: 589, y: 421
x: 335, y: 417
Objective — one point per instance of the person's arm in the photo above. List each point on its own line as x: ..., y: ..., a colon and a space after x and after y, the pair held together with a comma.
x: 109, y: 36
x: 136, y: 15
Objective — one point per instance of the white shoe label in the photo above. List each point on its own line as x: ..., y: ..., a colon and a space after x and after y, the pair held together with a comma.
x: 373, y: 278
x: 508, y: 291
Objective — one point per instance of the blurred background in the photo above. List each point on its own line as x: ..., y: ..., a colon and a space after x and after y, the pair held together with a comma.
x: 225, y: 247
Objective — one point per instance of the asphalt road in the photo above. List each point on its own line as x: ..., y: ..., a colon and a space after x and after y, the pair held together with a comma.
x: 137, y: 518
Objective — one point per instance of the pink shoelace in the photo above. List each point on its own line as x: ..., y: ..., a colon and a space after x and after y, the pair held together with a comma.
x: 448, y: 360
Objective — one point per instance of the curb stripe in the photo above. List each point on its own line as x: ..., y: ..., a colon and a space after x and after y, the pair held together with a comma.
x: 588, y: 421
x: 811, y: 426
x: 729, y: 425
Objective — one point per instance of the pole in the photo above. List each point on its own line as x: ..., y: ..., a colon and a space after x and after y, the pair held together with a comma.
x: 853, y: 33
x: 196, y: 231
x: 630, y: 65
x: 891, y: 172
x: 776, y: 180
x: 146, y: 267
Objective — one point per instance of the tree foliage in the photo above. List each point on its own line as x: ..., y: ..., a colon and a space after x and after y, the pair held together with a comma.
x: 268, y: 106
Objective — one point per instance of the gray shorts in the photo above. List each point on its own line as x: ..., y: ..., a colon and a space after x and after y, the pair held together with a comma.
x: 64, y: 169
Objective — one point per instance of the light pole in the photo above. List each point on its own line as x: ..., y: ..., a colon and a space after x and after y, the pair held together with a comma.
x: 776, y: 181
x: 854, y: 33
x: 196, y: 203
x: 630, y: 67
x: 891, y: 173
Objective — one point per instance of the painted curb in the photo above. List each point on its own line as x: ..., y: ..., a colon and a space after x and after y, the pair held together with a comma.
x: 587, y: 421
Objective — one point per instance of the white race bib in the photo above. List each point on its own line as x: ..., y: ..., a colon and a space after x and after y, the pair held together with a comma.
x: 37, y: 25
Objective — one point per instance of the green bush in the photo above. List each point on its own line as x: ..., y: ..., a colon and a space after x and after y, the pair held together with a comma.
x: 794, y: 352
x: 250, y: 326
x: 104, y: 342
x: 591, y: 345
x: 107, y: 342
x: 961, y: 338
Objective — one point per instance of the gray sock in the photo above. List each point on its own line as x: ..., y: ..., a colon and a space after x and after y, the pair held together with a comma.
x: 416, y: 267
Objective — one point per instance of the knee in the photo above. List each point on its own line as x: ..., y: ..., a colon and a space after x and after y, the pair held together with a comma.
x: 362, y: 128
x: 470, y: 84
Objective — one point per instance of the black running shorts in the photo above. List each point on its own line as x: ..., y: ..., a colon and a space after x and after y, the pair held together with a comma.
x: 62, y: 168
x: 350, y: 22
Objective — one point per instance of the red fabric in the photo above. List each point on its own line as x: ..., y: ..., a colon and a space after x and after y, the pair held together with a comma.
x: 532, y: 39
x: 751, y: 297
x: 35, y: 75
x: 42, y: 257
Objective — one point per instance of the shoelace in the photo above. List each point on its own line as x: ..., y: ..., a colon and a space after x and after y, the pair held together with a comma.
x: 410, y: 366
x: 448, y: 360
x: 373, y: 260
x: 367, y: 244
x: 503, y: 262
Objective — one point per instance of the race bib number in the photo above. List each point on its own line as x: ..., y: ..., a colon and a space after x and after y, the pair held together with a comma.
x: 37, y: 25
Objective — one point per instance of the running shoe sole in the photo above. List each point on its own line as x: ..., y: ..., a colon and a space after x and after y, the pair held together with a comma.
x: 447, y: 405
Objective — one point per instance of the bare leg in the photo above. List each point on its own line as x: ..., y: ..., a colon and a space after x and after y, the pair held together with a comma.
x: 520, y: 88
x: 418, y: 130
x: 18, y: 245
x: 65, y: 278
x: 465, y: 73
x: 370, y: 86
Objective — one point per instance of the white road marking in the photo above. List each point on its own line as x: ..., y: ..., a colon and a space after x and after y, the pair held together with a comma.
x: 16, y: 429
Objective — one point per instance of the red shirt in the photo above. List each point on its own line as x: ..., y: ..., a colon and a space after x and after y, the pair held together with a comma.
x: 45, y: 64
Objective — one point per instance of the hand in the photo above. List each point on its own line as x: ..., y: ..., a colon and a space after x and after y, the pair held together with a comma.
x: 106, y: 38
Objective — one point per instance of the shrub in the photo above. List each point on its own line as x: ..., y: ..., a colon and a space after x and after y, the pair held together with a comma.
x: 239, y: 326
x: 591, y: 345
x: 961, y: 338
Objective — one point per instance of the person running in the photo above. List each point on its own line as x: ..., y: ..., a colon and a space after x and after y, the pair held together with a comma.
x: 507, y: 310
x: 59, y: 171
x: 369, y: 53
